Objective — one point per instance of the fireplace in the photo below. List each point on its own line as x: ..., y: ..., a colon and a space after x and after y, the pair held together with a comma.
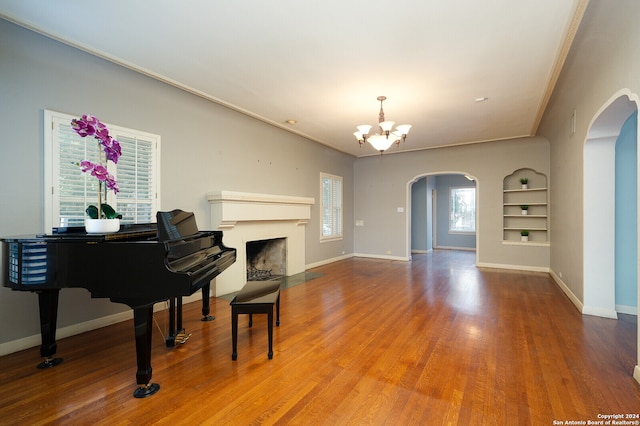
x: 266, y: 259
x: 245, y: 217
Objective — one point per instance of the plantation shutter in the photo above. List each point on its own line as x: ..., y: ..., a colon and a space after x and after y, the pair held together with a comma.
x: 69, y: 191
x: 331, y: 206
x: 136, y: 180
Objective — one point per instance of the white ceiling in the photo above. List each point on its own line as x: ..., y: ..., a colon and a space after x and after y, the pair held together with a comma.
x: 324, y: 63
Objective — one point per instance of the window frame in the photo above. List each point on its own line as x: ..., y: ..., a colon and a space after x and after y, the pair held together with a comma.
x: 52, y: 169
x: 336, y: 212
x: 450, y: 219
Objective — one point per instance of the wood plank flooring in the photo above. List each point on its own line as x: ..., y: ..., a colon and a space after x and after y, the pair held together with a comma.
x: 428, y: 342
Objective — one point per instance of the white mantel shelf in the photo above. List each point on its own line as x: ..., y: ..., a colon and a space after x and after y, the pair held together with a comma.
x: 230, y: 207
x: 246, y: 216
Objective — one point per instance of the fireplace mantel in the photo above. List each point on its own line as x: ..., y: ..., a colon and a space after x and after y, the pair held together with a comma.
x: 245, y: 216
x: 229, y: 207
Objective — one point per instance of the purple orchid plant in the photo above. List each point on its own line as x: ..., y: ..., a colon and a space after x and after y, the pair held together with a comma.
x: 109, y: 147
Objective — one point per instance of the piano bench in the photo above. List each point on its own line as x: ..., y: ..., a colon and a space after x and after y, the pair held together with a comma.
x: 256, y: 297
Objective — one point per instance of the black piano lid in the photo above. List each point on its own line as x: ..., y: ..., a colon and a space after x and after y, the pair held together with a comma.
x: 176, y: 224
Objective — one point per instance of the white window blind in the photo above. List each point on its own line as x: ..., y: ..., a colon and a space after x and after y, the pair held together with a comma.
x: 331, y: 206
x: 68, y: 191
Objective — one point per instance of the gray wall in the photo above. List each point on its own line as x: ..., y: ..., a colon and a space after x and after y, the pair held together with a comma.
x: 604, y: 62
x: 204, y: 147
x: 383, y: 183
x: 222, y: 149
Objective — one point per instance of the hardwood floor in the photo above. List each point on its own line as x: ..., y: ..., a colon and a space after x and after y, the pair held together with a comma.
x: 433, y: 341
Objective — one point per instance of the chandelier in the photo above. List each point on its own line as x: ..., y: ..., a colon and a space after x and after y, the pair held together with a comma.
x: 383, y: 140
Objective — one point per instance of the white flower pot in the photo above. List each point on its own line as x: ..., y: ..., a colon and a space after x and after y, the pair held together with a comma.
x: 524, y: 212
x: 524, y: 238
x: 101, y: 226
x: 524, y: 186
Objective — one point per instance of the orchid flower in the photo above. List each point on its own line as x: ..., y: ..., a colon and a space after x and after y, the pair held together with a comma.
x: 91, y: 126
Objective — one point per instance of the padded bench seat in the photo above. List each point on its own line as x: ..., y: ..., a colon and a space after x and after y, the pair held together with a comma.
x: 256, y: 297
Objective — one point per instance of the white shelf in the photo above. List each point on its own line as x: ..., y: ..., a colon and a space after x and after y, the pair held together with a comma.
x: 535, y: 197
x: 525, y: 190
x: 538, y: 216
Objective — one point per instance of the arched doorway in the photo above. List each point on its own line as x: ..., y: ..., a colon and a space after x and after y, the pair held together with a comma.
x: 429, y: 213
x: 600, y: 260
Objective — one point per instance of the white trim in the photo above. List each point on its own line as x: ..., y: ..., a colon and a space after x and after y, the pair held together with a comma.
x: 455, y: 248
x: 512, y: 267
x: 51, y: 119
x: 340, y: 234
x: 328, y: 261
x: 416, y: 251
x: 247, y: 217
x: 629, y: 310
x: 597, y: 311
x: 74, y: 329
x: 574, y: 299
x: 384, y: 257
x: 61, y: 333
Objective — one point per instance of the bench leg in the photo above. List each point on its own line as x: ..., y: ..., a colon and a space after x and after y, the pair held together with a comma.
x: 234, y: 333
x: 250, y: 320
x: 278, y: 311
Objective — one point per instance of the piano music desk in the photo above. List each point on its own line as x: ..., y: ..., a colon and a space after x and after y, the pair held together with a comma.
x: 256, y: 297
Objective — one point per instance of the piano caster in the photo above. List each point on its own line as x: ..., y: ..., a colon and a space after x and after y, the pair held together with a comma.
x: 49, y: 363
x: 207, y: 318
x: 144, y: 391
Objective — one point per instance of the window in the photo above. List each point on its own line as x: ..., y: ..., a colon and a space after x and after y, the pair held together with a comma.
x: 462, y: 210
x: 68, y: 191
x: 331, y: 207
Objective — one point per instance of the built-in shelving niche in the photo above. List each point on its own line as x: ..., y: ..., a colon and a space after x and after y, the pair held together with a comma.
x: 535, y: 196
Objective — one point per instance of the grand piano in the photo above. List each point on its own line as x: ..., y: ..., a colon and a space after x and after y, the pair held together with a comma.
x: 138, y: 266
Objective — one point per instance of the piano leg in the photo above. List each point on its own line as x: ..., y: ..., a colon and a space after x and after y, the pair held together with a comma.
x: 143, y: 321
x: 205, y: 304
x: 48, y: 301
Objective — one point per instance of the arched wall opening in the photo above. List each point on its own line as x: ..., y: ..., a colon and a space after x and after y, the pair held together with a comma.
x: 599, y: 236
x: 422, y: 218
x: 604, y: 254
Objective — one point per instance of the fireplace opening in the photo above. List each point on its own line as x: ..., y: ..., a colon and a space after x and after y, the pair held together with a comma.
x: 266, y: 259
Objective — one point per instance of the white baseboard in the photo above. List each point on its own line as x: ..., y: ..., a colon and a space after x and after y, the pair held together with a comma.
x: 347, y: 256
x: 563, y: 286
x: 35, y: 340
x: 381, y: 256
x: 327, y: 261
x: 455, y: 248
x: 585, y: 310
x: 599, y: 312
x: 512, y: 267
x: 629, y: 310
x: 61, y: 333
